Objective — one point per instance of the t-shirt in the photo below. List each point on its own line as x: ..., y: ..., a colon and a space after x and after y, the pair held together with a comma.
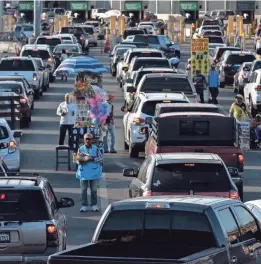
x: 239, y: 112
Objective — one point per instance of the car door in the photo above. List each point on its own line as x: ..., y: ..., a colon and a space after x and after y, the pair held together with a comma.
x: 248, y: 88
x: 250, y: 233
x: 57, y: 214
x: 232, y: 233
x: 252, y: 69
x: 137, y: 185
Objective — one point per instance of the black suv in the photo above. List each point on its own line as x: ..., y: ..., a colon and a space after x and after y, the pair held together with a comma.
x: 184, y: 173
x: 229, y: 64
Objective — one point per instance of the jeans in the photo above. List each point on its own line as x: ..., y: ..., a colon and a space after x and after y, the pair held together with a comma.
x: 63, y: 129
x: 200, y: 92
x: 257, y: 133
x: 214, y: 94
x: 110, y: 130
x: 84, y: 187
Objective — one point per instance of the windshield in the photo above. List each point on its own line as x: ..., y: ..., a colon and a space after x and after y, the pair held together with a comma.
x: 59, y: 11
x: 10, y: 87
x: 120, y: 52
x: 151, y: 64
x: 192, y: 176
x: 3, y: 133
x: 16, y: 65
x: 210, y: 22
x: 237, y: 59
x: 165, y: 84
x: 89, y: 30
x: 212, y: 33
x: 15, y: 205
x: 28, y: 28
x: 102, y: 10
x: 145, y: 54
x: 70, y: 49
x: 72, y: 30
x: 132, y: 32
x: 49, y: 41
x: 215, y: 39
x: 147, y: 39
x: 210, y: 28
x: 96, y: 24
x: 43, y: 54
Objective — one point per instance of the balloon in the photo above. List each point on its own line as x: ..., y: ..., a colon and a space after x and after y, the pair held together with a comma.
x: 102, y: 119
x: 98, y: 98
x: 93, y: 111
x: 94, y: 121
x: 92, y: 102
x: 92, y: 116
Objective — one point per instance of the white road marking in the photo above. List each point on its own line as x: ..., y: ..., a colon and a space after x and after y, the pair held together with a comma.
x: 103, y: 194
x: 120, y: 164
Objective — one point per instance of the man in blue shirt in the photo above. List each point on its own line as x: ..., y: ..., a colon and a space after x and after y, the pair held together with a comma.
x: 213, y: 83
x: 174, y: 61
x: 89, y: 172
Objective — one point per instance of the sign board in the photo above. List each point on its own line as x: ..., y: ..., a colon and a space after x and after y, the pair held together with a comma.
x: 132, y: 6
x: 79, y: 6
x: 245, y: 6
x: 199, y: 56
x: 190, y: 6
x: 29, y: 6
x: 243, y: 134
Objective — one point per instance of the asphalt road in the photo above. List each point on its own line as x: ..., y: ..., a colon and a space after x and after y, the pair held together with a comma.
x: 38, y: 154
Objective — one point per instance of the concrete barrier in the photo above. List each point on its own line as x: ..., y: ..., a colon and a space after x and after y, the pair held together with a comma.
x: 10, y: 47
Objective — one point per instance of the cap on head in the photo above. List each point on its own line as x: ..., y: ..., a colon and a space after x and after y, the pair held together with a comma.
x: 239, y: 96
x: 258, y: 116
x: 88, y: 135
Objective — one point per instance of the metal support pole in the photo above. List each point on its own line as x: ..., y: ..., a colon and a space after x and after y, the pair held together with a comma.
x: 37, y: 15
x: 1, y: 14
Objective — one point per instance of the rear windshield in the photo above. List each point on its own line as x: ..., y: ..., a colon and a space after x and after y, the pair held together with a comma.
x: 230, y: 13
x: 131, y: 33
x: 16, y: 65
x: 257, y: 65
x: 222, y: 50
x: 212, y: 33
x: 171, y: 109
x: 89, y: 30
x: 175, y: 85
x: 151, y: 64
x: 16, y: 206
x: 11, y: 87
x: 193, y: 176
x: 210, y: 22
x: 96, y: 24
x: 49, y: 41
x: 215, y: 40
x: 59, y: 11
x: 120, y: 52
x: 149, y: 107
x: 135, y: 230
x: 140, y: 45
x: 210, y: 28
x: 66, y: 47
x: 140, y: 75
x: 43, y: 54
x: 237, y: 59
x: 28, y: 28
x: 145, y: 54
x: 72, y: 30
x: 147, y: 39
x: 3, y: 133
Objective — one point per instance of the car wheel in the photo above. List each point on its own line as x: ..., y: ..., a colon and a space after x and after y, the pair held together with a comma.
x: 25, y: 122
x: 41, y: 92
x: 51, y: 78
x: 222, y: 85
x: 113, y: 73
x: 32, y: 106
x: 37, y: 94
x: 126, y: 146
x: 133, y: 153
x: 45, y: 87
x: 241, y: 191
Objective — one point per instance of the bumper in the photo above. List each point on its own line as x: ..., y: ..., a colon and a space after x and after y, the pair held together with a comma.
x: 229, y: 78
x: 11, y: 259
x: 12, y: 162
x: 35, y: 83
x: 93, y: 41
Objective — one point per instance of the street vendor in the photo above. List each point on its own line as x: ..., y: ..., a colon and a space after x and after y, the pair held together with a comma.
x: 67, y: 111
x: 238, y: 109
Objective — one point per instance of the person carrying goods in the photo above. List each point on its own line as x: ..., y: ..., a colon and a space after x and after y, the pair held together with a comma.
x: 64, y: 56
x: 200, y: 82
x: 132, y: 21
x: 188, y: 67
x: 174, y: 61
x: 238, y: 109
x: 213, y: 83
x: 255, y: 127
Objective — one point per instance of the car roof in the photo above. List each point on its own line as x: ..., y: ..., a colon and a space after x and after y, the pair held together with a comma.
x: 163, y: 96
x: 48, y: 37
x: 63, y: 34
x: 150, y: 58
x: 236, y: 52
x: 191, y: 157
x: 3, y: 122
x: 255, y: 202
x: 191, y: 114
x: 12, y: 77
x: 178, y: 203
x: 20, y: 83
x: 18, y: 58
x: 189, y: 105
x: 21, y: 182
x: 170, y: 75
x: 155, y: 69
x: 145, y: 50
x: 36, y: 46
x: 62, y: 44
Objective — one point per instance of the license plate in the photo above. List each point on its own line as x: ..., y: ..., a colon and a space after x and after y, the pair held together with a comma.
x: 4, y: 237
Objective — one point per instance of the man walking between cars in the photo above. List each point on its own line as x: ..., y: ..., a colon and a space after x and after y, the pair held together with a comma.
x: 200, y: 82
x: 89, y: 172
x: 213, y: 83
x: 67, y: 111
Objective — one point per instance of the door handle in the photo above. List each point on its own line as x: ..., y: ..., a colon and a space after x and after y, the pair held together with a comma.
x: 234, y: 260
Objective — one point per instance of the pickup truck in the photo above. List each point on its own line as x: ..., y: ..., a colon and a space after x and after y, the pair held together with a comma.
x: 172, y: 230
x: 196, y: 132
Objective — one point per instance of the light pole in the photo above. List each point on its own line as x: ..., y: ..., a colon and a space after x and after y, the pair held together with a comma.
x: 1, y: 14
x: 37, y: 15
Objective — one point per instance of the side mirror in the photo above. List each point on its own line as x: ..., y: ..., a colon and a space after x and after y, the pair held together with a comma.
x: 130, y: 172
x: 31, y: 92
x: 149, y: 120
x: 124, y: 109
x: 129, y: 81
x: 66, y: 202
x: 130, y: 89
x: 233, y: 172
x: 246, y: 69
x: 17, y: 133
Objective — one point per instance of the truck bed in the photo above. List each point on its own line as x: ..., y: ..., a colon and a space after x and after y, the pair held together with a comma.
x: 162, y: 253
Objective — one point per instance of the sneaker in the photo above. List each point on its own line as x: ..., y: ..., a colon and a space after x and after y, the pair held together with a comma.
x: 113, y: 151
x: 256, y: 141
x: 84, y: 209
x: 95, y: 208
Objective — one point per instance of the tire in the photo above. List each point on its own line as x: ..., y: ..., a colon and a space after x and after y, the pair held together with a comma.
x: 126, y: 146
x: 32, y: 106
x: 37, y: 94
x: 132, y: 152
x: 25, y: 122
x: 45, y: 87
x: 241, y: 191
x: 222, y: 85
x: 41, y: 92
x: 113, y: 73
x: 51, y: 78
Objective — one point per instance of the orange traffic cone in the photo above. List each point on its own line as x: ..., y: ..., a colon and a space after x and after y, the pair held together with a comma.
x: 107, y: 45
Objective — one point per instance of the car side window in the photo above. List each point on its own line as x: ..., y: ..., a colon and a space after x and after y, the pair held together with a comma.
x: 142, y: 176
x: 248, y: 226
x: 136, y: 105
x: 50, y: 196
x: 253, y: 78
x: 256, y: 212
x: 230, y: 225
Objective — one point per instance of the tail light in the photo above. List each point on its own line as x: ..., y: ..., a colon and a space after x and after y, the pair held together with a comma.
x: 233, y: 195
x: 138, y: 121
x: 35, y: 77
x: 258, y: 88
x: 144, y: 130
x: 257, y: 38
x: 52, y: 235
x: 49, y: 59
x: 12, y: 147
x: 243, y: 76
x: 241, y: 162
x: 147, y: 193
x: 81, y: 37
x: 23, y: 101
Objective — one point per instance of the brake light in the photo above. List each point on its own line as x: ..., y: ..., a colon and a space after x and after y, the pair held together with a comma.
x: 35, y: 77
x: 258, y: 88
x: 144, y: 130
x: 48, y: 37
x: 233, y: 195
x: 138, y: 121
x: 52, y: 235
x: 81, y: 38
x: 23, y: 101
x: 147, y: 193
x: 2, y: 196
x: 12, y: 147
x: 49, y: 60
x: 243, y: 76
x: 241, y: 159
